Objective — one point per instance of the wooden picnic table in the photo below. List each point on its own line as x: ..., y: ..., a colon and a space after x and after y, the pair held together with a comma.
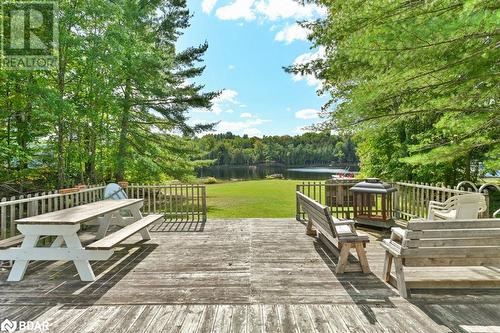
x: 65, y: 224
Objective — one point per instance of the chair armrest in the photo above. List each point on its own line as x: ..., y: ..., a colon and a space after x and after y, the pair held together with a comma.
x: 397, y: 234
x: 437, y: 203
x: 392, y: 247
x: 344, y: 223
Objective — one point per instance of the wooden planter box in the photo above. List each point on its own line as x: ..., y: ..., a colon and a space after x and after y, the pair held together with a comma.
x: 68, y: 190
x: 123, y: 184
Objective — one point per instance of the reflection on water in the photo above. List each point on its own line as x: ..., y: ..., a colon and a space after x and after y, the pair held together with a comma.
x: 261, y: 171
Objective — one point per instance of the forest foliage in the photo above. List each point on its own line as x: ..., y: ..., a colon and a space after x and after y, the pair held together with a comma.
x: 415, y: 82
x: 115, y: 107
x: 306, y: 149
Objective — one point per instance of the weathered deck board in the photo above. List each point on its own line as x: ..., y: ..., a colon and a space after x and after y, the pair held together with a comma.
x: 253, y: 275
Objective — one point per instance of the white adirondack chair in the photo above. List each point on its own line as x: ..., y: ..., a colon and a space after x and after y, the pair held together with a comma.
x: 458, y: 207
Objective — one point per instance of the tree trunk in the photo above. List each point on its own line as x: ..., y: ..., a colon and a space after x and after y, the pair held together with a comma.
x: 9, y: 156
x: 61, y: 167
x: 122, y: 146
x: 91, y: 165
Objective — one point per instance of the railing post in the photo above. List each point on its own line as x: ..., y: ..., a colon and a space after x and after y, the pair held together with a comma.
x: 297, y: 207
x: 204, y: 202
x: 396, y: 204
x: 3, y: 220
x: 12, y: 224
x: 486, y: 213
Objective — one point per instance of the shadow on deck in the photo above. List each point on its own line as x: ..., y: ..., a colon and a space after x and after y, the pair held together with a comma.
x: 243, y: 275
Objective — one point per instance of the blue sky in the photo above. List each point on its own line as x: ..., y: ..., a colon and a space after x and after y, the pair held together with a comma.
x: 249, y: 43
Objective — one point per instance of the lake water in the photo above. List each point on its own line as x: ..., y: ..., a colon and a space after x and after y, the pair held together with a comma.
x: 261, y: 171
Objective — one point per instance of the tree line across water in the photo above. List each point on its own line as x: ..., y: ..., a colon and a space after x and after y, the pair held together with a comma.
x: 307, y: 149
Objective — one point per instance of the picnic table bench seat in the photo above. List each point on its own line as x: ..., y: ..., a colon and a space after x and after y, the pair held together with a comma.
x: 340, y: 236
x: 11, y: 241
x: 122, y: 234
x: 472, y: 242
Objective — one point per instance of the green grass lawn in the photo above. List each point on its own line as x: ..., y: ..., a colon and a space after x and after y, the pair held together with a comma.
x: 256, y: 198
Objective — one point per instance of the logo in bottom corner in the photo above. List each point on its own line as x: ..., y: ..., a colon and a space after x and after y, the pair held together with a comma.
x: 11, y: 326
x: 8, y: 326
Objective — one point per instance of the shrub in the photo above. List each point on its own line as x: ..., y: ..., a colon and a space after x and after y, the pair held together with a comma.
x: 210, y: 180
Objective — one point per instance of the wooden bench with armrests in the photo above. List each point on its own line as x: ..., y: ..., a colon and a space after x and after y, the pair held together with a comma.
x: 340, y: 236
x: 472, y: 242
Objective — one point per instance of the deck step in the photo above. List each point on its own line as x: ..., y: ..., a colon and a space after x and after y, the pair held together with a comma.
x: 11, y: 242
x: 119, y: 236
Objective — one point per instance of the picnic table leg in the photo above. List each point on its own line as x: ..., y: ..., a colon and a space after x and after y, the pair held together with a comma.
x: 137, y: 215
x: 58, y: 242
x: 19, y: 267
x: 104, y: 222
x: 82, y: 266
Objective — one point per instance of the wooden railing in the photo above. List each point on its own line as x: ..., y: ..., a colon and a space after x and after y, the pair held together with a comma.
x: 334, y: 194
x: 178, y: 202
x: 18, y: 207
x: 410, y: 199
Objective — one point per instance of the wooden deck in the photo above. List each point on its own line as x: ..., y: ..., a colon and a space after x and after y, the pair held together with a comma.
x: 248, y: 275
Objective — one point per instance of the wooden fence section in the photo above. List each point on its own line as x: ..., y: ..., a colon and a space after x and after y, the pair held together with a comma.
x: 18, y: 207
x: 410, y: 199
x: 332, y: 193
x: 178, y: 202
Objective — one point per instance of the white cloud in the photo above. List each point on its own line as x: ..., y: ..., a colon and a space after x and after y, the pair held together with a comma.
x: 310, y: 79
x: 252, y: 132
x: 238, y: 126
x: 231, y: 67
x: 267, y: 9
x: 307, y: 114
x: 283, y: 9
x: 227, y: 95
x: 208, y: 5
x: 222, y: 102
x: 239, y: 9
x: 243, y: 105
x: 301, y: 130
x: 291, y: 33
x: 246, y: 115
